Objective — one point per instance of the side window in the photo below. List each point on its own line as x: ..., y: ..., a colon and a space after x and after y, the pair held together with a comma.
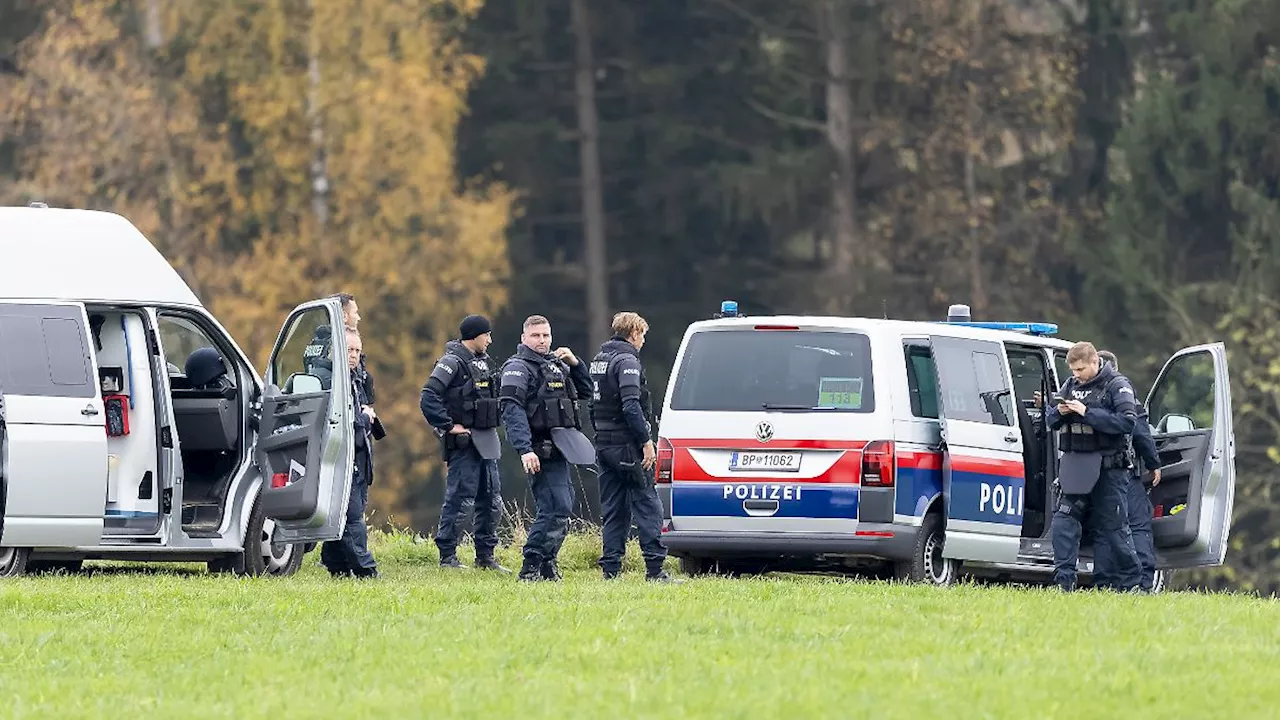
x: 1060, y: 364
x: 922, y: 381
x: 974, y: 386
x: 44, y: 350
x: 1184, y: 398
x: 179, y: 337
x: 304, y: 362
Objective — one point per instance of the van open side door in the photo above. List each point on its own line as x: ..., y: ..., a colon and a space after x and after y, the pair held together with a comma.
x: 55, y: 474
x: 983, y: 481
x: 1190, y: 413
x: 305, y: 449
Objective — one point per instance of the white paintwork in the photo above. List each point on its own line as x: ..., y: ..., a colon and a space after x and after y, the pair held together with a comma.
x: 84, y: 256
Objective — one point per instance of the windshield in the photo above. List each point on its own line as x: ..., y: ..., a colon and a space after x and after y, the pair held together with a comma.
x: 752, y: 370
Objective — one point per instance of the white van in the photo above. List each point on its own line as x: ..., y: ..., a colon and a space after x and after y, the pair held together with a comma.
x: 914, y: 447
x: 109, y: 451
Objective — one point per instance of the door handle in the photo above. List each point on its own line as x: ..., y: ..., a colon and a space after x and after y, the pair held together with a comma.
x: 1011, y: 438
x: 89, y: 411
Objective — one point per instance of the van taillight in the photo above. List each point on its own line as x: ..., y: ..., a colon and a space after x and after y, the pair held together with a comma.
x: 878, y: 464
x: 666, y: 459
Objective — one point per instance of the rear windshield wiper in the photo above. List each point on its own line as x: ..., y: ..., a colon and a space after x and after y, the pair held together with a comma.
x: 794, y: 408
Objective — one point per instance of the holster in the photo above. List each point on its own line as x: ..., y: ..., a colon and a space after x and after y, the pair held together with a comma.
x: 545, y: 449
x: 456, y: 441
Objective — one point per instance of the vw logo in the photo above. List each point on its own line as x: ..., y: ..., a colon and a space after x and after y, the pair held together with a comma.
x: 764, y: 431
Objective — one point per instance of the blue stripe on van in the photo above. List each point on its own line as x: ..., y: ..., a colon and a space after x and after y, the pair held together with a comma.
x: 795, y: 500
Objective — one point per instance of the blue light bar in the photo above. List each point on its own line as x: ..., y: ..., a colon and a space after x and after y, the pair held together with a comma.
x: 729, y: 308
x: 1030, y: 328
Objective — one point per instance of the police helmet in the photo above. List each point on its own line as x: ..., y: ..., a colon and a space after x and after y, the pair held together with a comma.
x: 204, y: 366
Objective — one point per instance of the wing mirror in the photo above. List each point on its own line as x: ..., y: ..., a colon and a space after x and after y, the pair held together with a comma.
x: 303, y: 384
x: 1175, y: 424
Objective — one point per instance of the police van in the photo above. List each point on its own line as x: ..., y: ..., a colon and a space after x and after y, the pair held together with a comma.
x: 111, y: 447
x: 912, y: 447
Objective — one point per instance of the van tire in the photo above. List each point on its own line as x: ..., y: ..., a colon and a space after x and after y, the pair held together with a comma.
x: 260, y: 556
x: 13, y: 561
x: 927, y: 564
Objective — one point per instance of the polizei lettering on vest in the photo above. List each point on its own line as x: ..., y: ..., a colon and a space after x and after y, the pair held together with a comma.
x: 1004, y: 499
x: 762, y: 492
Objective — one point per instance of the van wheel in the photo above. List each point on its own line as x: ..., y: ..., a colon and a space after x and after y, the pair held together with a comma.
x: 262, y: 555
x: 13, y: 561
x: 927, y: 565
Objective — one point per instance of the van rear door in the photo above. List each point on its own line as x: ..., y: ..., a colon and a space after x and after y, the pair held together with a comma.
x: 55, y: 479
x: 766, y: 426
x: 1190, y: 414
x: 306, y: 438
x: 983, y: 479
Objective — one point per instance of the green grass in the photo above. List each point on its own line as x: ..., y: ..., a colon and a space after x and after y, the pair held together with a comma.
x: 423, y: 642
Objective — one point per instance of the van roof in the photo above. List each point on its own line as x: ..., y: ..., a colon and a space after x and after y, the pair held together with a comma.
x: 901, y: 327
x: 83, y: 256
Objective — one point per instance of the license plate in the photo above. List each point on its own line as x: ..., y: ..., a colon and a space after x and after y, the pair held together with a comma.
x: 764, y: 462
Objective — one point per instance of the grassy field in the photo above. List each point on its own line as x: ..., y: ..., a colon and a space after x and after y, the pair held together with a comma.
x: 423, y: 642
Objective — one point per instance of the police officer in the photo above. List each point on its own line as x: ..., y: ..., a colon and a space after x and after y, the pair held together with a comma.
x: 539, y: 401
x: 622, y: 414
x: 1096, y: 413
x: 1145, y: 458
x: 460, y: 401
x: 318, y: 354
x: 349, y: 555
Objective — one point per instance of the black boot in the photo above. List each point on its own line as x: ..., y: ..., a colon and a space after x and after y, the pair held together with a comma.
x: 532, y: 569
x: 550, y: 571
x: 451, y: 562
x: 661, y: 576
x: 488, y: 563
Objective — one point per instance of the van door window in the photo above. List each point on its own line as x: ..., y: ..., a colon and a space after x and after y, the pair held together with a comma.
x: 1060, y: 364
x: 180, y: 337
x: 43, y: 352
x: 922, y: 381
x: 976, y: 387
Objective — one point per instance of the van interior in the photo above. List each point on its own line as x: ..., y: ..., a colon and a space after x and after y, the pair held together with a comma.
x: 208, y: 409
x: 1031, y: 375
x: 133, y: 431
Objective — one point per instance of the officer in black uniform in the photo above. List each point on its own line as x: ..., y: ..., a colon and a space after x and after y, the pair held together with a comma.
x: 1096, y: 414
x: 539, y: 396
x: 460, y: 400
x: 349, y: 555
x: 622, y: 414
x: 318, y: 354
x: 1145, y: 459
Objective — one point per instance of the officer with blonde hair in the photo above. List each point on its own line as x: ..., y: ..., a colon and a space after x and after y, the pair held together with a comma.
x: 622, y: 413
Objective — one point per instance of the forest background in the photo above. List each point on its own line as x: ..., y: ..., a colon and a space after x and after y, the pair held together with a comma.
x: 1109, y: 165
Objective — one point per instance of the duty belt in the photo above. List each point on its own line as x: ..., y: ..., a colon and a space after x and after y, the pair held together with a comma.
x: 613, y: 437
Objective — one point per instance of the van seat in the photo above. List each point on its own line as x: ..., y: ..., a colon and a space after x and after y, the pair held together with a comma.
x: 206, y: 420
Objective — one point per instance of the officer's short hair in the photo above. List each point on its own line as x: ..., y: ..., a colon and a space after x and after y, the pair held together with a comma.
x: 1109, y: 358
x: 1082, y: 351
x: 353, y: 333
x: 626, y: 324
x: 533, y: 320
x: 345, y: 298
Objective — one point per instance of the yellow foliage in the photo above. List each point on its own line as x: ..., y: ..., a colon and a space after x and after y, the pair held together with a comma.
x: 212, y: 158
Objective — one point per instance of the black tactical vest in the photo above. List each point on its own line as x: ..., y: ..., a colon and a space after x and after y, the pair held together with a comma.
x: 316, y: 355
x: 1075, y: 435
x: 556, y: 403
x: 606, y: 401
x: 473, y: 403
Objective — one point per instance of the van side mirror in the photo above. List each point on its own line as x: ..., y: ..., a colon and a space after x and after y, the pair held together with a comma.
x: 1175, y: 424
x: 302, y: 384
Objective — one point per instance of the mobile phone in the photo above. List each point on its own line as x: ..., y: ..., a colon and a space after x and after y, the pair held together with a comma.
x: 1057, y: 399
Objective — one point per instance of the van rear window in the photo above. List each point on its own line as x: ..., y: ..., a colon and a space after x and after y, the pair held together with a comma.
x: 751, y: 370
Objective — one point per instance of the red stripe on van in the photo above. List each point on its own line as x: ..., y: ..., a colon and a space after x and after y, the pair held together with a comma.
x: 846, y: 470
x: 987, y: 466
x: 917, y: 460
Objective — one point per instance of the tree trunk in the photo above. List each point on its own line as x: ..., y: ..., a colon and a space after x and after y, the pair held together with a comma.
x: 319, y: 161
x: 592, y: 186
x: 972, y: 146
x: 153, y: 32
x: 845, y: 286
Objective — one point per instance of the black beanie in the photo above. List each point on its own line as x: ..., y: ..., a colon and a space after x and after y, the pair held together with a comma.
x: 473, y: 326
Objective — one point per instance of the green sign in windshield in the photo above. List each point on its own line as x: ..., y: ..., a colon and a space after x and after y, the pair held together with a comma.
x: 842, y: 393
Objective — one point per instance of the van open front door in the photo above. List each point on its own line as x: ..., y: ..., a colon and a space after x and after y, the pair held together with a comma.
x: 1190, y: 414
x: 983, y: 481
x: 305, y: 448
